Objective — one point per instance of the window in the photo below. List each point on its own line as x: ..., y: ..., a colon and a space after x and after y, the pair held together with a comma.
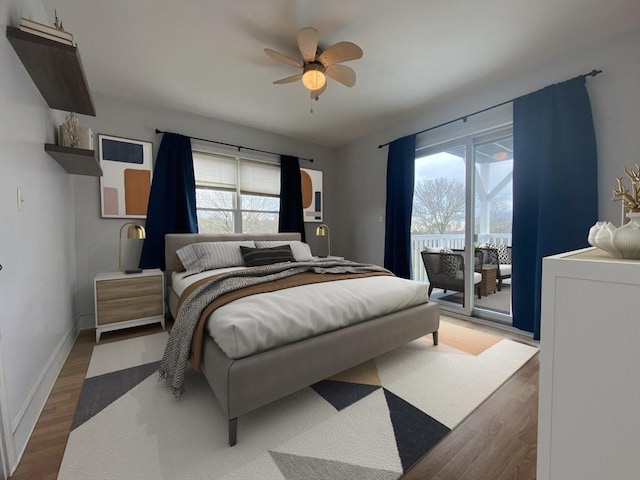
x: 236, y: 194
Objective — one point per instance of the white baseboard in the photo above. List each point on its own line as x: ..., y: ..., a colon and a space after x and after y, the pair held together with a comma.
x: 25, y: 420
x: 7, y: 453
x: 86, y: 321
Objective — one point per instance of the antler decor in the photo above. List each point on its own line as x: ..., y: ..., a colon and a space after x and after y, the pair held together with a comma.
x: 629, y: 198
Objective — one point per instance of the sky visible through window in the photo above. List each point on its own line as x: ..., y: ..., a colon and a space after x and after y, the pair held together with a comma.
x: 495, y: 163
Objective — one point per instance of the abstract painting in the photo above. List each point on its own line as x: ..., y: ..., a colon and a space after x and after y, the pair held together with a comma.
x: 126, y: 180
x: 311, y: 194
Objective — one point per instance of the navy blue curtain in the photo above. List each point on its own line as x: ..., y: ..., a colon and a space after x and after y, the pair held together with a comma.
x: 172, y: 201
x: 291, y: 218
x: 400, y: 178
x: 555, y: 190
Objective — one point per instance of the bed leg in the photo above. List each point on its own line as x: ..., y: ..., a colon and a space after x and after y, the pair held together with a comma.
x: 435, y: 337
x: 233, y: 431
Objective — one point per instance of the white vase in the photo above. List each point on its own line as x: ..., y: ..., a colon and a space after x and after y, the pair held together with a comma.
x: 627, y: 238
x: 621, y: 242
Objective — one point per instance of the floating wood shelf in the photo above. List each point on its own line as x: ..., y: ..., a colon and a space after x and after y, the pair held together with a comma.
x: 56, y: 69
x: 75, y: 160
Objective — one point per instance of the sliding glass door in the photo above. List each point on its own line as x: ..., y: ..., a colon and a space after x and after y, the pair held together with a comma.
x: 438, y: 223
x: 493, y: 213
x: 461, y: 221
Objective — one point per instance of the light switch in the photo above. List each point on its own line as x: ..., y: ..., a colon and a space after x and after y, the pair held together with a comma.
x: 20, y: 199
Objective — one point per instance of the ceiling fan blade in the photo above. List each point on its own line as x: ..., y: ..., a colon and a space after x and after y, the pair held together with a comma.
x: 288, y: 79
x: 340, y: 52
x: 308, y: 43
x: 318, y: 92
x: 282, y: 58
x: 345, y: 75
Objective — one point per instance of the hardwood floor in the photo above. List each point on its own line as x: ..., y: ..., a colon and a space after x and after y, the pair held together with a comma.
x: 497, y: 441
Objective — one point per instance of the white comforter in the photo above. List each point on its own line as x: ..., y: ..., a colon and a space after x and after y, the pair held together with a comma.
x: 268, y: 320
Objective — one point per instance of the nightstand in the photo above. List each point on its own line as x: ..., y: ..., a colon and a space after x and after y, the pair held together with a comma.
x: 128, y: 300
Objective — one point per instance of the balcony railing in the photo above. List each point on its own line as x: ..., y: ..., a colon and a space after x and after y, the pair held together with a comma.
x: 454, y: 241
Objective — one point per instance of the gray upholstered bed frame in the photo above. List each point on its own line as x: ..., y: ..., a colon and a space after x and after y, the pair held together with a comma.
x: 246, y: 384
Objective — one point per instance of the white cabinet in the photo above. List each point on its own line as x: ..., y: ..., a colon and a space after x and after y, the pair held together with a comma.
x: 589, y: 404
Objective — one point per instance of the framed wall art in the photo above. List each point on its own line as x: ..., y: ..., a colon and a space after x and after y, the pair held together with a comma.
x: 126, y: 180
x: 312, y: 196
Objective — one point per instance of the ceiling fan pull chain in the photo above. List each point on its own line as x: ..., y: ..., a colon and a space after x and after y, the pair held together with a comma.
x: 311, y: 105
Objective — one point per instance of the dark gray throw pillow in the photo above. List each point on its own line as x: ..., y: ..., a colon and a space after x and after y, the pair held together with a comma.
x: 450, y: 262
x: 255, y: 257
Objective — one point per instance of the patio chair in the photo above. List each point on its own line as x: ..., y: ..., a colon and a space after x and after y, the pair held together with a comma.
x: 446, y: 270
x: 499, y: 255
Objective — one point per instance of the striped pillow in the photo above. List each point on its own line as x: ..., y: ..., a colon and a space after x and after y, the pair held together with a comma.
x: 255, y: 257
x: 300, y: 250
x: 198, y: 257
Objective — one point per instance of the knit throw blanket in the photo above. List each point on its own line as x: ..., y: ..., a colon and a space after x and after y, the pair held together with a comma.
x: 176, y: 354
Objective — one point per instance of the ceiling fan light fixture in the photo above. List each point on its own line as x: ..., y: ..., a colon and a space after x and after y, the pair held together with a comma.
x: 313, y: 77
x: 317, y: 64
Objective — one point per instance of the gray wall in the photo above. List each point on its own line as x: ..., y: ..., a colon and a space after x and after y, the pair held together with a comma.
x: 360, y: 167
x: 97, y: 238
x: 37, y: 245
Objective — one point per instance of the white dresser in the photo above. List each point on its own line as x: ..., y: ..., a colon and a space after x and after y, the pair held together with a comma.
x: 589, y: 404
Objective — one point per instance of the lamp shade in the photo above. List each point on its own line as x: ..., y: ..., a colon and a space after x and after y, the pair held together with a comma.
x: 323, y: 231
x: 313, y: 77
x: 136, y: 232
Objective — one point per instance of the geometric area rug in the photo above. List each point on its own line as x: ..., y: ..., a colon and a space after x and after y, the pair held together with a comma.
x: 373, y: 421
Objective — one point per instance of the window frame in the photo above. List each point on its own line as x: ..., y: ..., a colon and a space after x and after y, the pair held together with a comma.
x: 237, y: 211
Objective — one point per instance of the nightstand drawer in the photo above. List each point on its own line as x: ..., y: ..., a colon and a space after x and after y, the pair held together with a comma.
x: 133, y: 287
x: 122, y: 309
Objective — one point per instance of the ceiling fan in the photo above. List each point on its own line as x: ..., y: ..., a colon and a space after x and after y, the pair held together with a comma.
x: 316, y: 64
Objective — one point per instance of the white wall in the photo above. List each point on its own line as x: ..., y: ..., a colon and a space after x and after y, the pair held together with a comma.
x: 37, y: 244
x: 97, y: 238
x: 615, y: 100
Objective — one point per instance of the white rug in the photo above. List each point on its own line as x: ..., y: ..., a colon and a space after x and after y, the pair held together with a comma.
x: 372, y: 422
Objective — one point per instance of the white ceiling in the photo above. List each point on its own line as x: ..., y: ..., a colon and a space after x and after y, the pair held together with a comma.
x: 206, y: 56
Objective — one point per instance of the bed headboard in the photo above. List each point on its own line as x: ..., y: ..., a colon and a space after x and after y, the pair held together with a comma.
x: 175, y: 241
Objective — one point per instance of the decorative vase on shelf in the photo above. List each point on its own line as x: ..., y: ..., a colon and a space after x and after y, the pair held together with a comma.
x: 621, y: 242
x: 70, y: 130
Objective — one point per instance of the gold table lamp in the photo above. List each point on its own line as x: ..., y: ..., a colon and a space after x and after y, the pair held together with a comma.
x: 323, y: 231
x: 134, y: 232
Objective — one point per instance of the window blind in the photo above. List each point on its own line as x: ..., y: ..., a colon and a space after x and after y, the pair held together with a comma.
x: 229, y: 173
x: 216, y: 172
x: 259, y: 178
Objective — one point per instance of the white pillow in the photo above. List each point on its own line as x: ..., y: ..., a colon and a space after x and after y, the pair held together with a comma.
x: 301, y: 251
x: 198, y: 257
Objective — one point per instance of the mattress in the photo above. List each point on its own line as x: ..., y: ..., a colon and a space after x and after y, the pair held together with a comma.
x: 265, y: 321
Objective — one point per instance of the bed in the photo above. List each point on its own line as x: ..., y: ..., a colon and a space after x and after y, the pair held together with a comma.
x: 244, y: 384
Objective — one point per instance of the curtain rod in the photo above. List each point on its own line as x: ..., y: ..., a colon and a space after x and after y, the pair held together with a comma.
x: 234, y: 146
x: 592, y: 73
